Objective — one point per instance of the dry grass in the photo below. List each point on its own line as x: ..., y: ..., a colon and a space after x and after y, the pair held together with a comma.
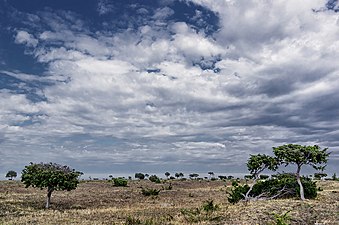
x: 98, y: 202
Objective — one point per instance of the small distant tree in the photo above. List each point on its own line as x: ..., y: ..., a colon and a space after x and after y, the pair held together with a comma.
x: 51, y: 176
x: 334, y: 177
x: 221, y: 177
x: 211, y: 174
x: 302, y: 155
x: 155, y: 179
x: 11, y: 174
x: 179, y: 175
x: 194, y: 176
x: 167, y: 174
x: 139, y: 176
x: 319, y: 176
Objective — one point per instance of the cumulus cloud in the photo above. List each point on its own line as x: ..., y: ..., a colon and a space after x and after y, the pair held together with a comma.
x: 23, y: 37
x: 167, y: 92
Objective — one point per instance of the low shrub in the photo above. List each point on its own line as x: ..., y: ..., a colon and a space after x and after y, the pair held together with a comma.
x: 237, y: 193
x: 120, y: 182
x: 150, y: 191
x: 281, y: 186
x: 155, y: 179
x: 210, y: 207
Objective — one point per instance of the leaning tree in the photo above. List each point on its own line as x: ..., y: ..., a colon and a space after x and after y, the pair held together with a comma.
x: 302, y: 155
x: 257, y: 164
x: 51, y: 176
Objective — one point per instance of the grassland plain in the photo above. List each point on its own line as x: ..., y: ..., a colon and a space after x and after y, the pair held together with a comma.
x: 99, y: 202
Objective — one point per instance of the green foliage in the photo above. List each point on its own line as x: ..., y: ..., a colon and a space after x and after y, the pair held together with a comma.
x: 282, y: 219
x: 248, y: 177
x: 167, y: 174
x: 50, y: 175
x: 194, y: 176
x: 263, y: 177
x: 150, y: 191
x: 209, y: 206
x: 318, y: 176
x: 10, y: 174
x: 155, y: 179
x: 192, y: 215
x: 237, y: 193
x: 282, y: 186
x: 302, y: 155
x: 139, y: 176
x: 258, y: 163
x: 178, y: 175
x: 120, y: 182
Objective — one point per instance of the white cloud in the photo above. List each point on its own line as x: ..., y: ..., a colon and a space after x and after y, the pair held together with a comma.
x: 163, y: 13
x: 273, y: 68
x: 23, y: 37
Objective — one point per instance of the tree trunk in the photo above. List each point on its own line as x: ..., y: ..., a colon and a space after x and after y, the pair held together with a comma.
x: 49, y: 194
x: 247, y: 197
x: 302, y: 196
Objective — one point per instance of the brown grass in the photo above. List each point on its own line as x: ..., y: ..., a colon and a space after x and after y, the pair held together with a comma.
x: 98, y: 202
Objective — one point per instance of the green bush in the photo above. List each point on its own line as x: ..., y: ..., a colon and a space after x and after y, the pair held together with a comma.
x: 282, y: 219
x: 281, y: 186
x: 237, y: 193
x: 154, y: 179
x: 120, y: 182
x: 150, y: 192
x: 209, y: 206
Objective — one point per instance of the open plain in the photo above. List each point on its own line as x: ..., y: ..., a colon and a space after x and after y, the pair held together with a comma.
x: 99, y: 202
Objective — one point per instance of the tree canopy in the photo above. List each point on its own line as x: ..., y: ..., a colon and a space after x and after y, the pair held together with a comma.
x: 10, y: 174
x: 302, y: 155
x: 51, y: 176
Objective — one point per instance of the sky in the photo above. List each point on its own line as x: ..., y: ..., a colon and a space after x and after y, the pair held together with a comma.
x: 129, y: 86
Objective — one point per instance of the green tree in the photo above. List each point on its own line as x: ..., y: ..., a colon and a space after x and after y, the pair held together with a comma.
x: 51, y: 176
x: 257, y: 164
x: 11, y: 174
x: 177, y: 175
x: 194, y: 176
x: 167, y: 174
x: 155, y: 179
x: 302, y: 155
x: 319, y: 176
x: 139, y: 176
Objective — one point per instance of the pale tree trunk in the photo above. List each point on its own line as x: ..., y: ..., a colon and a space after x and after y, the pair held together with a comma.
x: 302, y: 196
x: 256, y: 177
x: 49, y: 194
